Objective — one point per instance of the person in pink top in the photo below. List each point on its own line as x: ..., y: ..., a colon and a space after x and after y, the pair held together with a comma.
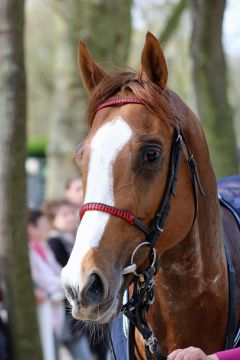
x: 48, y: 289
x: 192, y: 353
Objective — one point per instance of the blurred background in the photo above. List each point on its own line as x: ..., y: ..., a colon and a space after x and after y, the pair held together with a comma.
x: 43, y: 103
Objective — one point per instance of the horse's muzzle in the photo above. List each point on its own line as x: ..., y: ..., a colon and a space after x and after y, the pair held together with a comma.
x: 92, y: 293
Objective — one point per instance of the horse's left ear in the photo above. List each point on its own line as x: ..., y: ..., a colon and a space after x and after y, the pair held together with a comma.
x: 153, y: 62
x: 91, y: 73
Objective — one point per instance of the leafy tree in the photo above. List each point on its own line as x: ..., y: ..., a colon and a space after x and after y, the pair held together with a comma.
x: 209, y: 78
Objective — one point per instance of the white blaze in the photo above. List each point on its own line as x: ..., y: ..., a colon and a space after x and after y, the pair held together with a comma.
x: 104, y: 148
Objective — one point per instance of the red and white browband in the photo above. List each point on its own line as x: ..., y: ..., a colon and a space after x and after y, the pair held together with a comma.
x: 125, y: 215
x: 111, y: 210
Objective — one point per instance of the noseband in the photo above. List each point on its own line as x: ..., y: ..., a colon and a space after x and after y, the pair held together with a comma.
x: 122, y: 214
x: 143, y: 291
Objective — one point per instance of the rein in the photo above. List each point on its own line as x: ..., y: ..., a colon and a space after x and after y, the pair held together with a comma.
x: 143, y: 284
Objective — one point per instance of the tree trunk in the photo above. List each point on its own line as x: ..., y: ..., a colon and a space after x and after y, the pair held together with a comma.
x: 99, y: 24
x: 14, y: 264
x: 210, y: 81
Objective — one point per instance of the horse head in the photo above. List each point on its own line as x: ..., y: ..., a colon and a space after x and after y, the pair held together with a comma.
x: 125, y: 162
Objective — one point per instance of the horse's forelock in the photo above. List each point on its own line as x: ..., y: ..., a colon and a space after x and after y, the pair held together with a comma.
x: 124, y: 83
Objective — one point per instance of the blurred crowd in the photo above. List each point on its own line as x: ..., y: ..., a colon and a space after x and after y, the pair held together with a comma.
x: 51, y: 235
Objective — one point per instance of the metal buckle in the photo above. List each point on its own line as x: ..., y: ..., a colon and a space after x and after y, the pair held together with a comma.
x: 158, y: 228
x: 129, y: 269
x: 151, y: 343
x: 179, y: 138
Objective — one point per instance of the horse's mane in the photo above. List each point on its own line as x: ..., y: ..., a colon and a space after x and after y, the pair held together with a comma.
x: 124, y: 83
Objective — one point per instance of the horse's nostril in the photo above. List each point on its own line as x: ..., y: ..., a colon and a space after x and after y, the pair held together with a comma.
x: 94, y: 290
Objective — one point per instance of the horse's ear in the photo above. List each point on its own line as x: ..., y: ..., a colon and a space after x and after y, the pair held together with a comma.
x: 91, y: 73
x: 153, y: 62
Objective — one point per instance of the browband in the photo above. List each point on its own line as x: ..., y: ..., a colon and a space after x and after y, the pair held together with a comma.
x: 119, y: 102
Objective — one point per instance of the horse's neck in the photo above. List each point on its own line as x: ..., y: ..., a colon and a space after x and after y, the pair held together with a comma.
x: 192, y: 276
x: 200, y: 254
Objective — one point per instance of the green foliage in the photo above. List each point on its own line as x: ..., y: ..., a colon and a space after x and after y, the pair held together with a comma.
x: 37, y: 147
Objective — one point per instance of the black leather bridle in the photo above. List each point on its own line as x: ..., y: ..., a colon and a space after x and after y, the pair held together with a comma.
x: 143, y: 284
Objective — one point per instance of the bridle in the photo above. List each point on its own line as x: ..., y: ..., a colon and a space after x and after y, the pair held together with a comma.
x: 143, y: 284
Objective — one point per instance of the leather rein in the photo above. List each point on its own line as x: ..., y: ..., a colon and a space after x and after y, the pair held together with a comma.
x: 143, y: 283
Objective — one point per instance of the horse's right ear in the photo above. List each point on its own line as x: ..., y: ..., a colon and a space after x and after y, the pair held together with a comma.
x: 91, y: 73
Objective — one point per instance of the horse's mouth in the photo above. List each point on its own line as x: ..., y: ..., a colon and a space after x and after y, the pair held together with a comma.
x: 101, y: 314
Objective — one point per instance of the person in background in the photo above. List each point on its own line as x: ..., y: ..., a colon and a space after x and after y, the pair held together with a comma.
x: 193, y: 353
x: 62, y: 218
x: 63, y: 228
x: 48, y: 290
x: 74, y: 191
x: 74, y: 194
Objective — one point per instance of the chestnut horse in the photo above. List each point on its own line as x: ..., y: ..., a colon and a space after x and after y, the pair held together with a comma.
x: 150, y: 191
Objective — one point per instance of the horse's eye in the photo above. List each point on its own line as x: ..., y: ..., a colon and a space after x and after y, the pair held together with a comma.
x: 152, y: 153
